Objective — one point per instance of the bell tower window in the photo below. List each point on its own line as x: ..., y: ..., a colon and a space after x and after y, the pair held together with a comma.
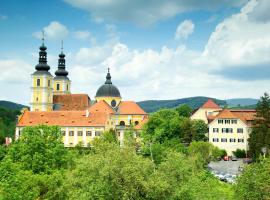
x: 58, y: 87
x: 38, y: 82
x: 49, y: 83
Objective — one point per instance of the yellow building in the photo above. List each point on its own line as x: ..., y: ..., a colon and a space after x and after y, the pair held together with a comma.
x: 80, y: 121
x: 61, y: 83
x: 42, y: 84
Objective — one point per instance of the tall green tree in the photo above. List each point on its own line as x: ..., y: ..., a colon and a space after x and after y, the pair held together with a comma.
x: 184, y: 110
x: 254, y: 183
x: 260, y: 134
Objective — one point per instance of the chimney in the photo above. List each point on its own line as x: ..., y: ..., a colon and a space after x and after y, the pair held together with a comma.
x: 87, y: 113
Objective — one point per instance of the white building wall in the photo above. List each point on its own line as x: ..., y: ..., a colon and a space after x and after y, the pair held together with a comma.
x: 227, y: 145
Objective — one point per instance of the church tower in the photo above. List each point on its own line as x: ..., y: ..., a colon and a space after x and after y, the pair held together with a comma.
x: 109, y: 92
x: 42, y: 90
x: 61, y: 81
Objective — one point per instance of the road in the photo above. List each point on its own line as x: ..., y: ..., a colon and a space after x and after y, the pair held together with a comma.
x: 227, y: 167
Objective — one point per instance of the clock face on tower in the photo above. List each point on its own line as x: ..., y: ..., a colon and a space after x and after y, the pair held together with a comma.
x: 113, y: 103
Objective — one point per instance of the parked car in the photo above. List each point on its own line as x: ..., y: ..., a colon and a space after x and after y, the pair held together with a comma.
x: 234, y: 158
x: 247, y: 160
x: 226, y: 158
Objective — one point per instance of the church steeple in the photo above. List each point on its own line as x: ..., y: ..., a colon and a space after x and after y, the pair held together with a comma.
x: 42, y: 65
x: 61, y: 71
x: 108, y: 77
x: 61, y: 82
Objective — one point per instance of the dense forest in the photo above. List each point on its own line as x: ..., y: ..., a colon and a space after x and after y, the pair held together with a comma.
x: 195, y: 102
x: 7, y: 123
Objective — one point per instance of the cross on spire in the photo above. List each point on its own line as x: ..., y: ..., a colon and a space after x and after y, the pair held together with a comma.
x: 43, y: 36
x: 108, y: 69
x: 62, y: 44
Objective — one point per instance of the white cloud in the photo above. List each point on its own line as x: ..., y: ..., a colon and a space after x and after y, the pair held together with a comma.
x: 10, y: 69
x: 184, y: 29
x: 146, y: 12
x: 239, y: 41
x: 82, y: 35
x: 54, y: 31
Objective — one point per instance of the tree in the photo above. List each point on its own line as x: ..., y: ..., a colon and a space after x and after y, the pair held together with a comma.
x: 184, y: 110
x: 40, y: 149
x: 240, y: 153
x: 254, y: 183
x: 162, y: 125
x: 260, y: 134
x: 201, y: 129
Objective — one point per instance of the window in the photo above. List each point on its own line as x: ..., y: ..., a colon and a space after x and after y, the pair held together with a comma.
x: 80, y: 133
x: 220, y: 121
x: 97, y: 133
x: 240, y: 130
x: 113, y: 103
x: 58, y: 86
x: 227, y: 121
x: 215, y: 130
x: 71, y: 133
x: 215, y: 139
x: 122, y: 123
x: 38, y: 82
x: 227, y: 130
x: 67, y: 87
x: 234, y: 121
x: 63, y: 133
x: 49, y: 83
x: 223, y: 139
x: 37, y: 99
x: 232, y: 139
x: 241, y: 140
x: 88, y: 133
x: 136, y: 123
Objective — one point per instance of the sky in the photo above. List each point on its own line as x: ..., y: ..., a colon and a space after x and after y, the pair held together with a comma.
x: 156, y: 49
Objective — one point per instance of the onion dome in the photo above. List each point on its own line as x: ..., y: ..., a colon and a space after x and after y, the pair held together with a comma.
x: 61, y: 71
x: 108, y: 89
x: 42, y: 64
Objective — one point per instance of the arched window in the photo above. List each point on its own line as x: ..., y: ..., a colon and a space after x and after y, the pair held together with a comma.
x: 67, y: 87
x: 122, y: 123
x: 49, y: 83
x: 38, y: 82
x: 136, y: 123
x: 58, y: 86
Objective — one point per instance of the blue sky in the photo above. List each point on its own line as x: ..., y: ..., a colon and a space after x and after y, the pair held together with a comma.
x: 162, y: 49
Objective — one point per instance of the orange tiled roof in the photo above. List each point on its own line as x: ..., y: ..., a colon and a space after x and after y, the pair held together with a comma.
x: 101, y: 106
x: 130, y: 108
x: 244, y: 115
x: 71, y: 101
x: 62, y: 118
x: 210, y: 104
x: 226, y: 114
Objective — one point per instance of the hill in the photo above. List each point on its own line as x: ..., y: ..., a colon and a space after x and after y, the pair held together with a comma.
x: 242, y: 102
x: 11, y: 105
x: 194, y: 102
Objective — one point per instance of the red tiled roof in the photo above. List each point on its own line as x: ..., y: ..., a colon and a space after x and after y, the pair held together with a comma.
x: 62, y: 118
x: 244, y: 115
x: 210, y: 104
x: 101, y: 106
x: 130, y: 108
x: 226, y: 114
x: 71, y: 101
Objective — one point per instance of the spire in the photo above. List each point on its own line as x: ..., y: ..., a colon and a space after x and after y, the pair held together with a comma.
x: 108, y: 77
x: 42, y: 65
x: 61, y: 71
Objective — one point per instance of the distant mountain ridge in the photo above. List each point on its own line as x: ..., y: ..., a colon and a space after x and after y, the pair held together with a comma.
x: 11, y: 105
x: 195, y: 102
